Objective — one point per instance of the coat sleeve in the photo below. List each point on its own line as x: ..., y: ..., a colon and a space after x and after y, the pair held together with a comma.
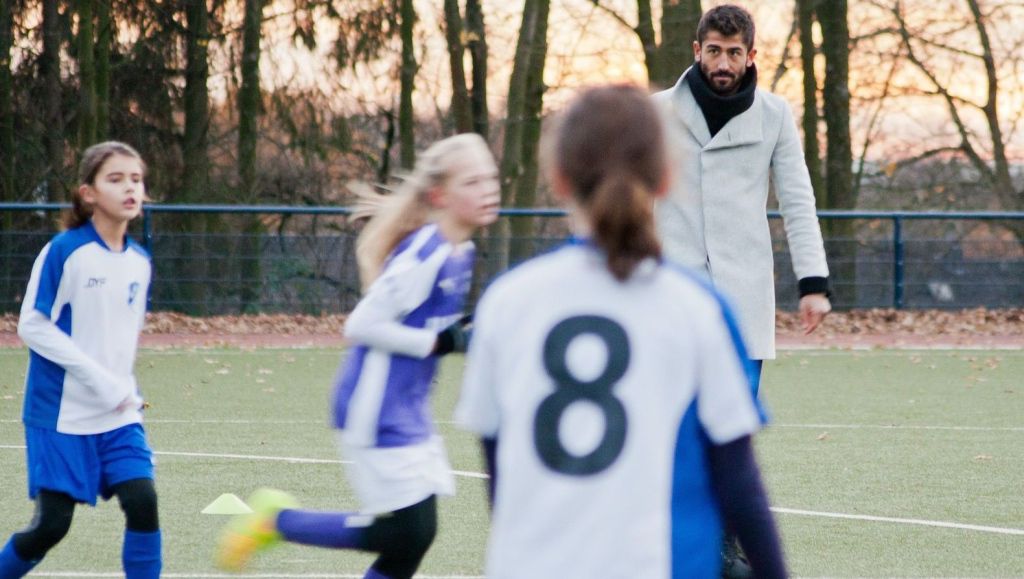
x: 796, y: 201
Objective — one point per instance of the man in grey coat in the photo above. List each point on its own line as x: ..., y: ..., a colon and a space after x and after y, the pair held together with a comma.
x: 731, y: 139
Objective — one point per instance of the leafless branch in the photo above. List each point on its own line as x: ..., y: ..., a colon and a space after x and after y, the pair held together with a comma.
x: 780, y: 71
x: 869, y: 134
x: 615, y: 15
x: 891, y: 169
x: 965, y: 141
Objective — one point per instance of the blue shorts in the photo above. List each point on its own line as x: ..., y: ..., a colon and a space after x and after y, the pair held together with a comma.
x: 86, y: 465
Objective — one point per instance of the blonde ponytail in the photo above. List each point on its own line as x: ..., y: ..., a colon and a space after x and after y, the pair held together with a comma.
x: 395, y: 216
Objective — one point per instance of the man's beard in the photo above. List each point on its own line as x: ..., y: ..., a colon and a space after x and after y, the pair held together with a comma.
x: 722, y: 90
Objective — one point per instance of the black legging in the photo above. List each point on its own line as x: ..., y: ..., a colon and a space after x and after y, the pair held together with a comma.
x: 402, y: 538
x: 55, y: 510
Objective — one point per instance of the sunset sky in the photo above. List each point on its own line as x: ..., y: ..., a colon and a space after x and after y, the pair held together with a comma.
x: 587, y: 46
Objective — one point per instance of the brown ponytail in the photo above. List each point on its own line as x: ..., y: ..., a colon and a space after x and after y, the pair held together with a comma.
x: 623, y: 223
x: 610, y: 149
x: 79, y: 213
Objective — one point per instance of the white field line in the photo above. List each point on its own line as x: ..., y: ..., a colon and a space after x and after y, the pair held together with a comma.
x: 452, y: 423
x: 943, y: 524
x: 901, y: 427
x: 899, y: 349
x: 477, y: 475
x: 901, y: 352
x: 240, y: 575
x: 288, y: 459
x: 787, y: 350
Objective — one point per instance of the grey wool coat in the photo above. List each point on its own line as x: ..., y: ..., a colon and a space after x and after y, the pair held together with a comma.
x: 714, y: 219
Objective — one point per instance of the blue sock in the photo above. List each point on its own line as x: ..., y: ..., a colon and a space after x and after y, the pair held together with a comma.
x: 11, y: 565
x: 332, y: 530
x: 372, y: 573
x: 755, y: 378
x: 141, y: 555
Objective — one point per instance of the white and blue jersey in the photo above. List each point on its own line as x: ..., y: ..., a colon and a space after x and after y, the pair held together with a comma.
x: 603, y: 396
x: 382, y: 394
x: 80, y: 317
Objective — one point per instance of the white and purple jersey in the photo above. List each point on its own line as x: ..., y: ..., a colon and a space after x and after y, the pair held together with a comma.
x: 81, y: 316
x: 382, y: 394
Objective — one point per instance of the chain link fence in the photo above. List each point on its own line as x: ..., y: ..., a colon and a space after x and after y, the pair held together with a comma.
x: 211, y: 260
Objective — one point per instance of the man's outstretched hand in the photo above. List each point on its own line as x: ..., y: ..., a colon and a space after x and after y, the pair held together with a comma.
x: 813, y: 309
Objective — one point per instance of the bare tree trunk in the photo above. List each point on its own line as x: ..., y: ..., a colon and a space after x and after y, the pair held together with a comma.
x: 836, y: 97
x: 49, y: 70
x: 835, y: 45
x: 649, y: 42
x: 519, y: 161
x: 86, y: 75
x: 249, y: 98
x: 460, y: 110
x: 197, y: 122
x: 104, y: 37
x: 511, y: 168
x: 812, y: 148
x: 6, y: 109
x: 251, y: 273
x: 1003, y: 181
x: 477, y: 44
x: 197, y: 102
x: 7, y: 193
x: 679, y: 19
x: 665, y: 62
x: 1009, y: 198
x: 406, y: 119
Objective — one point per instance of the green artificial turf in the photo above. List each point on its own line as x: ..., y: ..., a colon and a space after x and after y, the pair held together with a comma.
x: 932, y: 436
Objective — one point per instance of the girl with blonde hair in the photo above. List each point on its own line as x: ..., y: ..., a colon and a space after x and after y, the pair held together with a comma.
x: 416, y: 261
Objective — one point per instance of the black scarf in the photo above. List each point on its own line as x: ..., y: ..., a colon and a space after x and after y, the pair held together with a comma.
x: 719, y: 110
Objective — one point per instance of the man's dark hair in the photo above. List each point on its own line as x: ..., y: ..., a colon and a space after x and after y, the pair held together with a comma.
x: 727, y: 20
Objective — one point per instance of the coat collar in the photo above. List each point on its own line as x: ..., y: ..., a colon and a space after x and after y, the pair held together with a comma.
x: 743, y: 129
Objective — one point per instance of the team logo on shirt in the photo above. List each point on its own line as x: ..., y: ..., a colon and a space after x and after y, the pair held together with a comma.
x: 133, y: 290
x: 448, y: 285
x: 455, y: 284
x: 95, y: 282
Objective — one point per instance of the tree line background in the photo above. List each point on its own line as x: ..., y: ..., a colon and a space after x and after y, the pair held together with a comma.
x: 903, y: 103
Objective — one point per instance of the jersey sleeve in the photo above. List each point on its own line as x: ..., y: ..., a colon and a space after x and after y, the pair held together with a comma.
x: 47, y: 293
x: 477, y: 410
x: 725, y: 401
x: 376, y: 320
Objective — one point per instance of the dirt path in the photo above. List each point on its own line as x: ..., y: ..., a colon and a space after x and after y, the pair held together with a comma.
x: 783, y: 342
x: 860, y: 329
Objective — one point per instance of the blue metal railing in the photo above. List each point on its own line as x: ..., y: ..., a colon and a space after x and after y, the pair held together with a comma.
x: 896, y: 218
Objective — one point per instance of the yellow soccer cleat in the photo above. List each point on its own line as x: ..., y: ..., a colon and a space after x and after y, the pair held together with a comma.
x: 246, y: 534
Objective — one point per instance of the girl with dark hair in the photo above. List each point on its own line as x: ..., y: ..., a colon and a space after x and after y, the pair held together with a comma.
x: 83, y: 309
x: 611, y: 390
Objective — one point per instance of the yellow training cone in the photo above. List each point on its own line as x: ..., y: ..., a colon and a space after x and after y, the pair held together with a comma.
x: 227, y: 504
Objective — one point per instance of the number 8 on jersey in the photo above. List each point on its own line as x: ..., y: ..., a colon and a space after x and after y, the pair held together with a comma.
x: 569, y: 388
